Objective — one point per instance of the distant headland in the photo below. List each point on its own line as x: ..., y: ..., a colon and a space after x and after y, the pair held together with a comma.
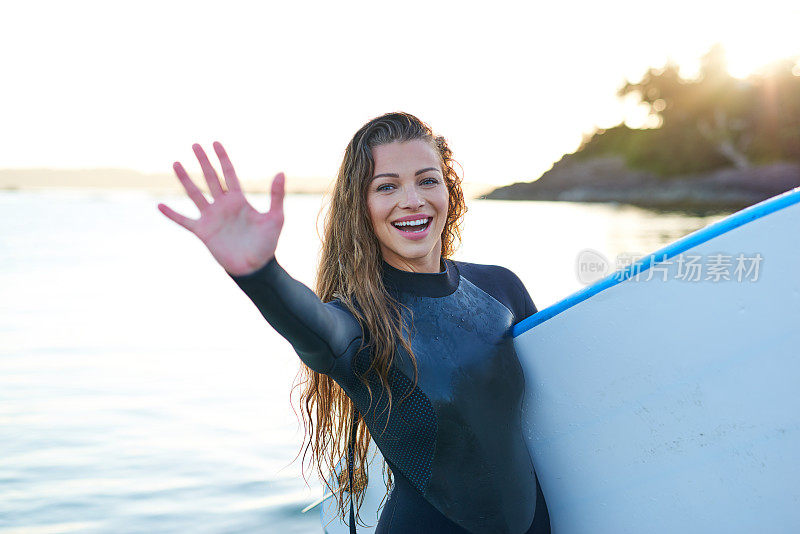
x: 715, y: 142
x: 609, y: 179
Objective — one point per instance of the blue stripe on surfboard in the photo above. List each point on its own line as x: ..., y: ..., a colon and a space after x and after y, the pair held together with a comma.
x: 749, y: 214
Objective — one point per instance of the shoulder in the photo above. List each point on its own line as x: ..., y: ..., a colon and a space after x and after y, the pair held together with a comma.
x: 494, y: 276
x: 502, y: 284
x: 479, y: 270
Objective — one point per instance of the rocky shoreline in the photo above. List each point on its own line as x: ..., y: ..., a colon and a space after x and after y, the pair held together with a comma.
x: 608, y: 179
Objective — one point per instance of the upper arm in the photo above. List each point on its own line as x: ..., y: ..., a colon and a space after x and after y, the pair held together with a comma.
x: 521, y: 304
x: 526, y: 304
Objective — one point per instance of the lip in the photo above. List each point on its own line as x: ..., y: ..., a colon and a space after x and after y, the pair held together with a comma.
x: 418, y: 235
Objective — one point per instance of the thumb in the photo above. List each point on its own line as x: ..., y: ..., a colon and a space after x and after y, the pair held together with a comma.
x: 186, y: 222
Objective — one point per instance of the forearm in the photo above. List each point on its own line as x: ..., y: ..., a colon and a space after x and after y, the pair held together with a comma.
x: 319, y: 332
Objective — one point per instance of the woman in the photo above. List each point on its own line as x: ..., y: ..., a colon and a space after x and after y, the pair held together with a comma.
x: 400, y: 343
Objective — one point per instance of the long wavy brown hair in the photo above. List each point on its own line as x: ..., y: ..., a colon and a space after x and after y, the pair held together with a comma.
x: 350, y: 270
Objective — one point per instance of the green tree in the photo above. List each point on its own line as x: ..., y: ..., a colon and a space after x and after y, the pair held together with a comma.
x: 711, y: 122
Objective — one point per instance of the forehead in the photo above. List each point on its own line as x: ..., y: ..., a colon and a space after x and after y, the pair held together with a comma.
x: 408, y: 156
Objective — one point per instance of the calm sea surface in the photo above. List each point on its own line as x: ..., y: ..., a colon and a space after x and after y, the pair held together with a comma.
x: 141, y: 391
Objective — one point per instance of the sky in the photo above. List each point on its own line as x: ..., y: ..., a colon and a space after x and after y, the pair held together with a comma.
x: 284, y: 85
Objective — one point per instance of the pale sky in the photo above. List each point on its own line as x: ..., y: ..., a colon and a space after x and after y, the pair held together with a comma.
x: 512, y: 85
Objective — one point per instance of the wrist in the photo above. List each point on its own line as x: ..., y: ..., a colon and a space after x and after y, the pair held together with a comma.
x: 252, y: 272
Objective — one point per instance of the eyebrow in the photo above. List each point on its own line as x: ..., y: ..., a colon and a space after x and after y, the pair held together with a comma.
x: 395, y: 175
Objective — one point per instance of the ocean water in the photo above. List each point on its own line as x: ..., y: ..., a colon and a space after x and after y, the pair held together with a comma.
x: 141, y: 391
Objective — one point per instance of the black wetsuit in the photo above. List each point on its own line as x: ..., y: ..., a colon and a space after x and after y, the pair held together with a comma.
x: 455, y: 444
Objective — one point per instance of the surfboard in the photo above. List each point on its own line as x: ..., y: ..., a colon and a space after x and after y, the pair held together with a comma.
x: 660, y: 404
x: 662, y: 398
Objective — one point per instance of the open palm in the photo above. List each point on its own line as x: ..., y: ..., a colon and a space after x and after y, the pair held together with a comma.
x: 240, y: 238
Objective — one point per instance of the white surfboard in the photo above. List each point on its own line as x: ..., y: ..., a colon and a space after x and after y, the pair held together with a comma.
x: 659, y: 403
x: 670, y: 405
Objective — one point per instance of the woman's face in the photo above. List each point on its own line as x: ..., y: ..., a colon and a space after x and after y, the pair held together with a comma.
x: 408, y: 189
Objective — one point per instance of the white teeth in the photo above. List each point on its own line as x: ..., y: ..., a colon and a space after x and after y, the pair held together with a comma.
x: 411, y: 223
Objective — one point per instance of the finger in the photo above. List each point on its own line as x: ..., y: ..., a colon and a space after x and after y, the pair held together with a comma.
x: 191, y: 189
x: 172, y: 215
x: 276, y: 194
x: 227, y: 168
x: 212, y: 179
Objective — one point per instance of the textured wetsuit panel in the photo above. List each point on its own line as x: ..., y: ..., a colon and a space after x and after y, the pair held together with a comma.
x: 503, y: 285
x: 406, y: 434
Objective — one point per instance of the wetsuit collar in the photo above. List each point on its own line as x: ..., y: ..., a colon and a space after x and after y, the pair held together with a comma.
x: 438, y: 284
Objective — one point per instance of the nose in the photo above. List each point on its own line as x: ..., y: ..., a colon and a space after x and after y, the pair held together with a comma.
x: 412, y: 199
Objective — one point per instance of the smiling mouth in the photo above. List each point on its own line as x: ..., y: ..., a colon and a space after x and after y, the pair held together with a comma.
x: 413, y: 227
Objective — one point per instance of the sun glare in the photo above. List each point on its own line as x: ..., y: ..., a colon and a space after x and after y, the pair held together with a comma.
x: 749, y: 55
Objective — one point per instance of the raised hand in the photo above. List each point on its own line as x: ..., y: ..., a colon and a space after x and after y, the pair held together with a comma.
x: 239, y: 237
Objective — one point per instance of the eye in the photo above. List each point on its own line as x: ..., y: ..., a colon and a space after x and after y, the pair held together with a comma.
x: 429, y: 181
x: 384, y: 187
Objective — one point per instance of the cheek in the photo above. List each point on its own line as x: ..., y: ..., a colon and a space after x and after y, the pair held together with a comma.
x: 371, y: 209
x: 376, y: 214
x: 444, y: 203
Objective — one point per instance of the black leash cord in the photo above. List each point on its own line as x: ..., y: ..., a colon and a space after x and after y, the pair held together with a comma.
x: 350, y: 459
